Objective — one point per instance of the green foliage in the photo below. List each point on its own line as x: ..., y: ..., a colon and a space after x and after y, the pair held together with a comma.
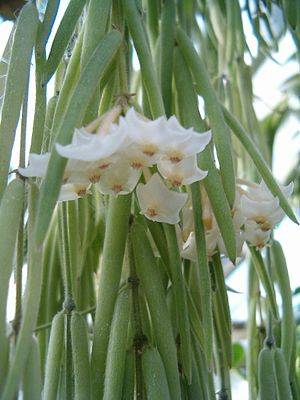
x: 111, y: 308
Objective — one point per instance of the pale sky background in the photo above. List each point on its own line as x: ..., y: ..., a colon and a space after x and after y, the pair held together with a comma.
x: 287, y: 147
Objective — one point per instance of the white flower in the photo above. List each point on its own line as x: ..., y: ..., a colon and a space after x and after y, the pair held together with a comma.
x: 158, y: 203
x: 119, y: 178
x: 37, y: 165
x: 189, y: 250
x: 255, y: 235
x: 185, y: 172
x: 265, y: 213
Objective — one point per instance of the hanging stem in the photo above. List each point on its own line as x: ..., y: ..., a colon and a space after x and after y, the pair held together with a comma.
x: 65, y: 251
x: 139, y: 338
x: 69, y: 304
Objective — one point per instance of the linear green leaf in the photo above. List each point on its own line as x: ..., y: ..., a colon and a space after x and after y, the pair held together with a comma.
x: 112, y: 261
x: 10, y: 214
x: 47, y: 24
x: 142, y: 46
x: 264, y: 277
x: 179, y: 291
x: 166, y: 56
x: 190, y: 116
x: 54, y: 357
x: 154, y: 375
x: 266, y: 375
x: 221, y: 134
x: 32, y: 380
x: 80, y: 355
x: 95, y: 27
x: 4, y: 63
x: 31, y: 304
x: 16, y: 85
x: 73, y: 116
x: 63, y: 36
x: 150, y: 278
x: 204, y: 274
x: 116, y: 353
x: 287, y: 319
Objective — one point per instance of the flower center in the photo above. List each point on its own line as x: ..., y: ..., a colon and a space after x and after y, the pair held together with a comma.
x: 152, y: 212
x: 149, y: 150
x: 94, y: 178
x: 117, y: 188
x: 263, y: 224
x: 136, y: 164
x: 176, y: 181
x: 81, y: 192
x: 175, y: 156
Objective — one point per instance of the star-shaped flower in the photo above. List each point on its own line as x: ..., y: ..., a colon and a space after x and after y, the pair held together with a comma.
x: 158, y: 203
x: 185, y: 172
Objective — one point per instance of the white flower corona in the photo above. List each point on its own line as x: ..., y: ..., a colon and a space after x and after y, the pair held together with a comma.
x: 158, y: 203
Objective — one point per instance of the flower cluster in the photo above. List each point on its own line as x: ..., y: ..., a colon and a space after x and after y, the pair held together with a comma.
x: 115, y: 157
x: 255, y: 213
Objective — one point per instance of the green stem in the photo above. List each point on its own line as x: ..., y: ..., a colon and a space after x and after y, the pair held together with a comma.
x: 270, y: 336
x: 65, y: 250
x: 178, y: 285
x: 69, y: 304
x: 252, y: 349
x: 205, y: 281
x: 139, y: 338
x: 18, y: 277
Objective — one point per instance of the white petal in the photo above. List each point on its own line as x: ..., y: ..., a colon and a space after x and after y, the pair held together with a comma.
x: 94, y: 148
x: 158, y: 203
x: 184, y: 172
x: 251, y: 208
x: 37, y: 165
x: 189, y: 250
x: 142, y: 130
x: 178, y: 146
x: 211, y: 240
